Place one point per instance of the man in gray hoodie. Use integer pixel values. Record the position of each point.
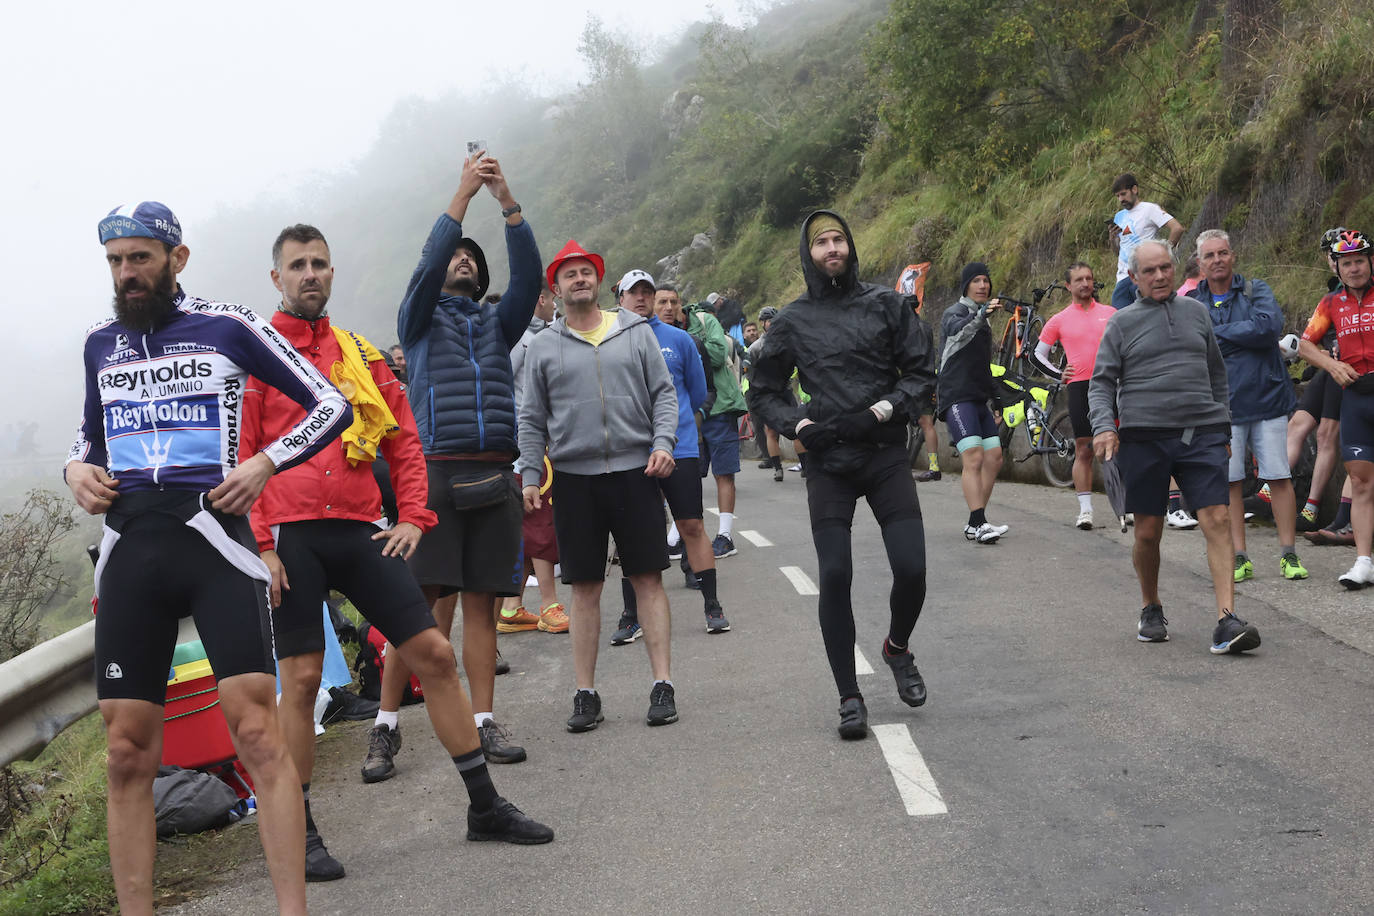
(598, 395)
(1160, 377)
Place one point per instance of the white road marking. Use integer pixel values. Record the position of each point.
(756, 539)
(861, 665)
(799, 580)
(914, 782)
(713, 510)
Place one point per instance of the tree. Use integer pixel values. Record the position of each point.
(29, 572)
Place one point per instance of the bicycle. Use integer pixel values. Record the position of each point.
(1022, 331)
(1048, 435)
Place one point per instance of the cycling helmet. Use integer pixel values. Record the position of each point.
(768, 313)
(1329, 238)
(1350, 241)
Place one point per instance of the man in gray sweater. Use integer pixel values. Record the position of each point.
(598, 395)
(1160, 377)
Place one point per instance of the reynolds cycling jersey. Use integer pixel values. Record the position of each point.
(164, 408)
(1353, 320)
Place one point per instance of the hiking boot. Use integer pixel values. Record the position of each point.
(1180, 519)
(502, 666)
(496, 744)
(383, 744)
(553, 619)
(1234, 635)
(515, 620)
(1245, 569)
(715, 618)
(778, 475)
(675, 551)
(853, 719)
(723, 547)
(628, 631)
(348, 706)
(662, 707)
(506, 823)
(1084, 522)
(1292, 567)
(911, 687)
(927, 476)
(586, 711)
(983, 534)
(319, 864)
(1359, 576)
(1153, 626)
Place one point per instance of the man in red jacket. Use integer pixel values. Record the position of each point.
(320, 526)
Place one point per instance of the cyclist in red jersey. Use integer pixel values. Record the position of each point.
(1350, 310)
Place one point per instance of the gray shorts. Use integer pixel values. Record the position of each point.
(478, 550)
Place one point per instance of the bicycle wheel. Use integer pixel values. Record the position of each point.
(1059, 459)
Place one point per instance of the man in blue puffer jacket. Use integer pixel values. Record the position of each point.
(462, 392)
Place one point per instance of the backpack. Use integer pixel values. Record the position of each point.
(369, 664)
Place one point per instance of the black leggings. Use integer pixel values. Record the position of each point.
(885, 481)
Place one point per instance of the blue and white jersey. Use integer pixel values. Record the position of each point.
(163, 409)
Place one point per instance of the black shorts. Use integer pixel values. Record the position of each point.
(158, 572)
(1078, 409)
(333, 553)
(1200, 467)
(477, 550)
(682, 489)
(1322, 397)
(589, 508)
(885, 481)
(1357, 426)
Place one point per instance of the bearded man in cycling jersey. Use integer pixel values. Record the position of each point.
(1350, 310)
(157, 454)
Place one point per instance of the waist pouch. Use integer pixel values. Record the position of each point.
(479, 489)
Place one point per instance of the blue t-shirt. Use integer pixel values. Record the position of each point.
(689, 381)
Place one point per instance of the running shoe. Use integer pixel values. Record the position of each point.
(691, 580)
(1292, 567)
(765, 464)
(1153, 627)
(723, 547)
(1245, 569)
(853, 719)
(926, 476)
(1084, 521)
(553, 618)
(675, 551)
(496, 743)
(586, 711)
(1360, 575)
(715, 618)
(983, 534)
(346, 705)
(319, 864)
(502, 666)
(662, 705)
(628, 631)
(1180, 519)
(383, 744)
(507, 823)
(1234, 635)
(911, 687)
(778, 475)
(516, 620)
(795, 468)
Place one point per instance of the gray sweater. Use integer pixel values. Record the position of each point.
(597, 409)
(1159, 367)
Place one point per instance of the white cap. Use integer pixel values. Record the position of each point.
(1288, 346)
(711, 299)
(628, 281)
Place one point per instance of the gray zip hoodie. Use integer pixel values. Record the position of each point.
(1159, 367)
(597, 409)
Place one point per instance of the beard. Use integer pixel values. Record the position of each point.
(463, 286)
(147, 313)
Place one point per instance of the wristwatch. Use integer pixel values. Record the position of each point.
(510, 211)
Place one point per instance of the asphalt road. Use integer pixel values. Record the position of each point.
(1074, 769)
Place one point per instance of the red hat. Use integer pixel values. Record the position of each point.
(572, 252)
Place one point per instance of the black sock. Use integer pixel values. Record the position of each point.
(776, 461)
(1175, 500)
(309, 821)
(628, 591)
(472, 766)
(890, 650)
(1342, 516)
(977, 518)
(707, 578)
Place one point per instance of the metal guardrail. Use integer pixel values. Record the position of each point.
(45, 690)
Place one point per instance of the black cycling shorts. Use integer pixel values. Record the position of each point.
(589, 508)
(478, 550)
(158, 572)
(884, 480)
(1078, 409)
(682, 489)
(334, 553)
(1322, 397)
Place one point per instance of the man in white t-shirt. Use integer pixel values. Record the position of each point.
(1137, 221)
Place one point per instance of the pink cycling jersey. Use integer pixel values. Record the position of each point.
(1080, 331)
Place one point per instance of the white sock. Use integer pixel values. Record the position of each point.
(1085, 502)
(481, 718)
(673, 536)
(660, 681)
(391, 720)
(727, 523)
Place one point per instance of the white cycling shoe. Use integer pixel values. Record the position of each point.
(984, 533)
(1085, 520)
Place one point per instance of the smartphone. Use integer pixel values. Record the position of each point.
(475, 147)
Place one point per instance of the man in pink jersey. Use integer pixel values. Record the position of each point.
(1079, 328)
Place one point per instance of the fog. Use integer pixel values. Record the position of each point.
(237, 117)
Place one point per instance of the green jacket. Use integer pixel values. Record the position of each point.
(729, 400)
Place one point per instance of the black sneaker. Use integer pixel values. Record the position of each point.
(765, 464)
(911, 687)
(502, 666)
(691, 580)
(853, 719)
(723, 547)
(662, 708)
(1234, 635)
(496, 744)
(1152, 626)
(675, 551)
(715, 619)
(506, 823)
(383, 744)
(628, 631)
(348, 706)
(586, 711)
(319, 864)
